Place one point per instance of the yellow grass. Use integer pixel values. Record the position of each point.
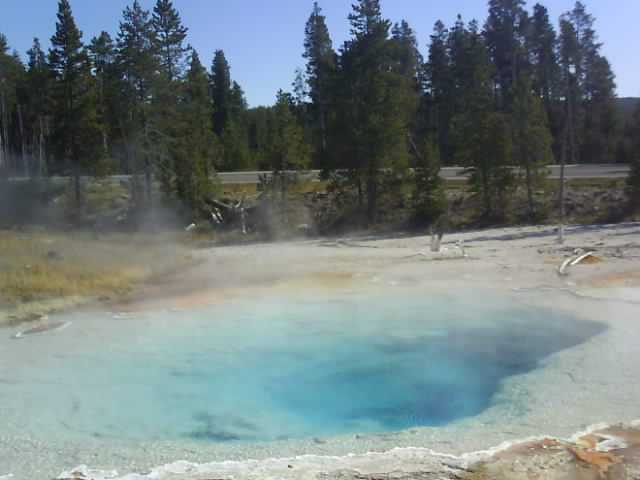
(46, 267)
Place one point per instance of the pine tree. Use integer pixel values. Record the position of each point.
(321, 65)
(238, 127)
(136, 51)
(169, 37)
(11, 71)
(568, 48)
(259, 136)
(408, 66)
(38, 105)
(376, 105)
(237, 104)
(366, 20)
(633, 181)
(429, 200)
(440, 90)
(545, 71)
(483, 140)
(522, 50)
(600, 127)
(78, 138)
(229, 110)
(194, 165)
(289, 148)
(404, 50)
(220, 91)
(467, 52)
(103, 55)
(300, 98)
(589, 83)
(4, 105)
(585, 38)
(504, 32)
(532, 140)
(138, 63)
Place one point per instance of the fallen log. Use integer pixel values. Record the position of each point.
(229, 213)
(578, 256)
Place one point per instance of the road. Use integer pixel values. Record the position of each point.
(450, 173)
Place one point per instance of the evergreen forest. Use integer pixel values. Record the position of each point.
(516, 89)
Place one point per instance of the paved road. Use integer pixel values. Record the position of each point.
(592, 171)
(572, 171)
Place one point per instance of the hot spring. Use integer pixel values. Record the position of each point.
(270, 371)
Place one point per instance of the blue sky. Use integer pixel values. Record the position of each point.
(262, 40)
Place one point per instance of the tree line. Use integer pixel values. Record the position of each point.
(514, 91)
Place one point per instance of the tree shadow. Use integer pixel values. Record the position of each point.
(552, 231)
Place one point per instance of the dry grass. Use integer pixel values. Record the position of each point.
(36, 268)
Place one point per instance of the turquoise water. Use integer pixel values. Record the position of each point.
(278, 369)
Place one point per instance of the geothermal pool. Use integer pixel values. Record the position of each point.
(270, 371)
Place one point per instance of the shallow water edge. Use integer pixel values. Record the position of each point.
(586, 384)
(595, 449)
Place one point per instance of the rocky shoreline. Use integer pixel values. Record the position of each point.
(599, 453)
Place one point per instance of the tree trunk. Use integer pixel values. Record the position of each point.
(23, 145)
(284, 190)
(568, 138)
(486, 194)
(4, 135)
(372, 201)
(42, 163)
(148, 179)
(323, 128)
(2, 156)
(76, 186)
(563, 158)
(361, 209)
(529, 183)
(561, 200)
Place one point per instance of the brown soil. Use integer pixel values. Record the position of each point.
(592, 457)
(629, 278)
